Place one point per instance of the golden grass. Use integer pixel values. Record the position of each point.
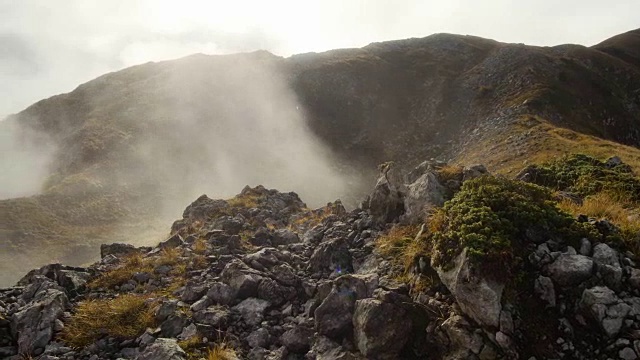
(622, 213)
(200, 246)
(540, 142)
(168, 256)
(400, 245)
(244, 201)
(222, 351)
(449, 172)
(311, 218)
(123, 317)
(132, 264)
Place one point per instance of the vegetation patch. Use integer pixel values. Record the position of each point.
(586, 175)
(492, 217)
(222, 351)
(123, 317)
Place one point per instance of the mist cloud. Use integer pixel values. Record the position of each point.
(24, 161)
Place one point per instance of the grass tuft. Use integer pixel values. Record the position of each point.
(123, 317)
(222, 351)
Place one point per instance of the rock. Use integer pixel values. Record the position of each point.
(252, 310)
(333, 317)
(33, 326)
(241, 279)
(608, 265)
(172, 242)
(258, 338)
(215, 316)
(285, 275)
(275, 293)
(193, 291)
(478, 296)
(284, 237)
(585, 247)
(370, 317)
(220, 293)
(543, 287)
(570, 270)
(331, 256)
(464, 341)
(163, 349)
(166, 309)
(117, 249)
(603, 306)
(634, 278)
(422, 195)
(385, 203)
(627, 354)
(298, 339)
(613, 162)
(172, 327)
(188, 332)
(473, 171)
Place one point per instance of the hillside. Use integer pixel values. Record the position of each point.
(132, 147)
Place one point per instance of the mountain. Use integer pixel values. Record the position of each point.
(130, 148)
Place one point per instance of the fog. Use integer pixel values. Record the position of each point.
(230, 122)
(24, 161)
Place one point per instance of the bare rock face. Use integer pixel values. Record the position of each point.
(603, 306)
(422, 195)
(33, 326)
(369, 317)
(568, 270)
(479, 297)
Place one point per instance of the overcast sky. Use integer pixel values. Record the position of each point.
(49, 47)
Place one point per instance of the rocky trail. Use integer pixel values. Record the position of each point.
(260, 276)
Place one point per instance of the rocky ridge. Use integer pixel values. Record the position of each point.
(273, 280)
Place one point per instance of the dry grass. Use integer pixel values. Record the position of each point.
(311, 218)
(533, 140)
(449, 172)
(222, 351)
(123, 317)
(168, 256)
(132, 264)
(247, 201)
(624, 214)
(400, 245)
(200, 246)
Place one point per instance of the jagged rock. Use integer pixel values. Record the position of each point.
(422, 195)
(193, 291)
(634, 278)
(464, 341)
(545, 290)
(33, 326)
(602, 305)
(331, 256)
(608, 265)
(285, 275)
(188, 332)
(284, 237)
(326, 349)
(38, 284)
(71, 279)
(478, 296)
(372, 315)
(298, 339)
(172, 242)
(172, 327)
(241, 279)
(117, 249)
(166, 309)
(215, 316)
(473, 171)
(569, 270)
(252, 310)
(163, 349)
(258, 338)
(275, 293)
(385, 202)
(333, 317)
(231, 225)
(220, 293)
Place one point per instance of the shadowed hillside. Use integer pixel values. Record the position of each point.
(131, 148)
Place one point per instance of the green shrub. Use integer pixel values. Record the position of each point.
(586, 175)
(495, 218)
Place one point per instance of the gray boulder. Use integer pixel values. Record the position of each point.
(163, 349)
(298, 339)
(242, 280)
(284, 237)
(220, 293)
(608, 265)
(385, 203)
(422, 195)
(543, 287)
(215, 316)
(117, 250)
(570, 270)
(252, 310)
(172, 242)
(602, 305)
(380, 329)
(478, 296)
(33, 326)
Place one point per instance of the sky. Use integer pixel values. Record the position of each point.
(48, 47)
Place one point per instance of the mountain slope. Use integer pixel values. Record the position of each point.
(136, 145)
